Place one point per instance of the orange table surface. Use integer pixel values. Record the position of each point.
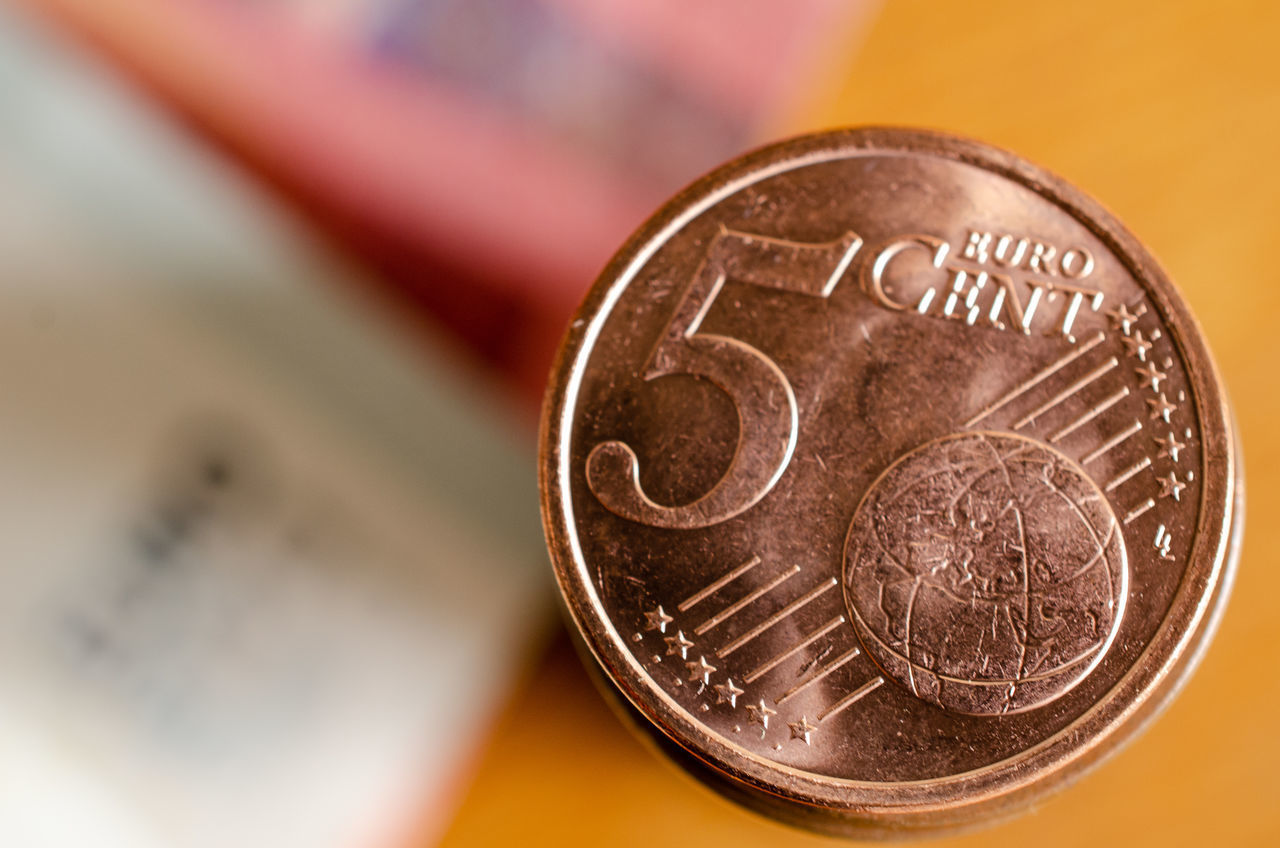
(1168, 113)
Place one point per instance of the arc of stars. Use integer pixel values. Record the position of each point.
(1160, 407)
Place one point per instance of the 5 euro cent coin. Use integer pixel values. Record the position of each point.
(889, 481)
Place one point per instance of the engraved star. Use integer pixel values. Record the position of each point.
(727, 692)
(802, 729)
(657, 620)
(1169, 447)
(760, 714)
(678, 644)
(1171, 486)
(1122, 319)
(700, 670)
(1137, 345)
(1161, 407)
(1151, 374)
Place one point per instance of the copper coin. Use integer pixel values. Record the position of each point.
(889, 481)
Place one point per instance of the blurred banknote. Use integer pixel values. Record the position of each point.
(484, 156)
(268, 563)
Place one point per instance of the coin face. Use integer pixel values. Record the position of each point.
(888, 480)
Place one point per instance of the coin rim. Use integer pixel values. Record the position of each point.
(1148, 684)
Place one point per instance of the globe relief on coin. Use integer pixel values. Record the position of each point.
(889, 481)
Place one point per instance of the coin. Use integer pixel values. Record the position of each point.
(889, 481)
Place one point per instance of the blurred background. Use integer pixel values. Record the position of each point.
(280, 284)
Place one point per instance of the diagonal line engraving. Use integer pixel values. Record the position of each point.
(775, 618)
(1136, 511)
(1038, 378)
(716, 585)
(1128, 472)
(1067, 392)
(819, 674)
(735, 608)
(1112, 442)
(1091, 414)
(851, 699)
(770, 665)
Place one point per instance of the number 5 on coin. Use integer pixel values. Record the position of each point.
(766, 405)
